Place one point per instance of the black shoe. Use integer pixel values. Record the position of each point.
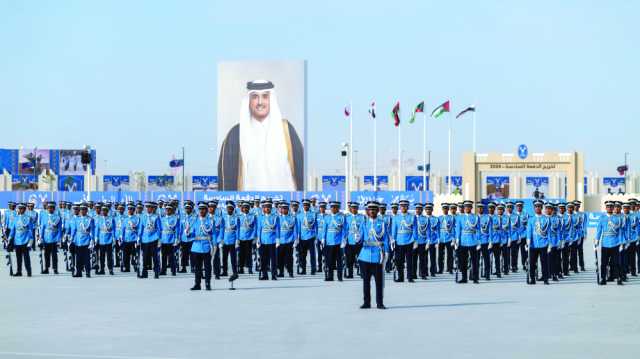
(77, 275)
(462, 281)
(339, 278)
(263, 278)
(183, 270)
(555, 278)
(28, 274)
(313, 273)
(156, 276)
(110, 271)
(440, 272)
(225, 274)
(533, 282)
(546, 282)
(217, 276)
(290, 275)
(233, 277)
(381, 306)
(634, 275)
(603, 282)
(88, 275)
(164, 272)
(475, 281)
(280, 275)
(207, 286)
(18, 274)
(55, 271)
(196, 287)
(273, 277)
(365, 306)
(46, 271)
(620, 282)
(450, 272)
(250, 271)
(411, 280)
(398, 280)
(240, 271)
(581, 269)
(499, 275)
(424, 277)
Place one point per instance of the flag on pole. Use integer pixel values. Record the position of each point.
(347, 111)
(176, 163)
(622, 169)
(419, 108)
(468, 109)
(438, 111)
(372, 110)
(395, 113)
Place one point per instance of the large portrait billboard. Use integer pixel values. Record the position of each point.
(261, 125)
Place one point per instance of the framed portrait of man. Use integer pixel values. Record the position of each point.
(261, 125)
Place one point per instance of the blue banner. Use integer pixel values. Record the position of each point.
(159, 183)
(613, 181)
(71, 183)
(383, 183)
(24, 182)
(456, 183)
(115, 183)
(333, 183)
(389, 197)
(414, 183)
(9, 161)
(204, 183)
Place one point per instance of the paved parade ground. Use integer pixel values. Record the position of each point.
(123, 317)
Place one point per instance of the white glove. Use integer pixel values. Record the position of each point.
(478, 246)
(159, 244)
(490, 245)
(30, 244)
(383, 259)
(596, 244)
(455, 245)
(295, 244)
(415, 245)
(254, 241)
(549, 248)
(39, 242)
(237, 243)
(343, 244)
(509, 243)
(92, 244)
(621, 247)
(322, 242)
(393, 244)
(176, 243)
(220, 245)
(561, 244)
(257, 244)
(277, 243)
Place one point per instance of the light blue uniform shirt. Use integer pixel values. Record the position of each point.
(467, 226)
(447, 228)
(538, 230)
(229, 229)
(150, 228)
(50, 227)
(307, 225)
(485, 227)
(375, 241)
(248, 226)
(402, 231)
(105, 230)
(83, 230)
(170, 228)
(421, 231)
(187, 222)
(355, 225)
(21, 229)
(608, 230)
(268, 228)
(555, 231)
(202, 233)
(336, 229)
(287, 229)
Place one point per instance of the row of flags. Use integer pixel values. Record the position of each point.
(395, 111)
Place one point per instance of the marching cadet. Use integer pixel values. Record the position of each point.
(522, 230)
(307, 233)
(447, 226)
(608, 239)
(130, 236)
(119, 218)
(467, 243)
(268, 228)
(201, 233)
(169, 239)
(421, 235)
(394, 212)
(355, 223)
(582, 223)
(104, 234)
(21, 238)
(625, 233)
(633, 237)
(433, 234)
(161, 209)
(382, 213)
(247, 236)
(294, 208)
(538, 242)
(51, 235)
(402, 233)
(187, 221)
(82, 233)
(150, 231)
(229, 237)
(499, 239)
(9, 215)
(567, 236)
(33, 216)
(216, 218)
(555, 230)
(335, 234)
(287, 234)
(139, 208)
(322, 227)
(375, 249)
(69, 225)
(484, 236)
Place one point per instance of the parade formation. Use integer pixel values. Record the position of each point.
(273, 238)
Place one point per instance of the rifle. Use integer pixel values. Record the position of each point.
(40, 245)
(6, 246)
(456, 262)
(529, 269)
(65, 250)
(298, 264)
(140, 260)
(595, 249)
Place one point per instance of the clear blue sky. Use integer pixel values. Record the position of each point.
(137, 79)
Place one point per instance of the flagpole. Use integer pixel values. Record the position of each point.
(424, 152)
(474, 131)
(375, 152)
(449, 170)
(399, 157)
(350, 148)
(183, 184)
